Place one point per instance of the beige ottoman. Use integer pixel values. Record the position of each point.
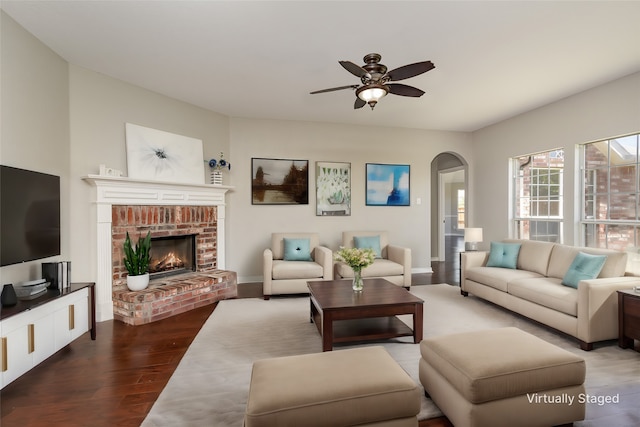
(362, 386)
(502, 377)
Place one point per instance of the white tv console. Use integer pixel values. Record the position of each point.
(33, 330)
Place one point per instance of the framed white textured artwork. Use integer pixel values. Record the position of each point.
(157, 155)
(333, 189)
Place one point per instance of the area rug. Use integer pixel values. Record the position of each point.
(211, 384)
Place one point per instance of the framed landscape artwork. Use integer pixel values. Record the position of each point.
(163, 156)
(387, 185)
(333, 189)
(279, 182)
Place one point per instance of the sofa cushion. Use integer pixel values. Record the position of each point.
(533, 255)
(297, 250)
(504, 255)
(380, 268)
(562, 256)
(583, 267)
(372, 242)
(496, 277)
(295, 270)
(547, 292)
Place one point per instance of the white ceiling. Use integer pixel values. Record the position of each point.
(260, 59)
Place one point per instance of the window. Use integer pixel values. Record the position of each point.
(537, 200)
(610, 193)
(461, 214)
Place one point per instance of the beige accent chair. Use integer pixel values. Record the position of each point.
(290, 277)
(395, 264)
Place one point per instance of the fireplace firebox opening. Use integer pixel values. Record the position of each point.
(172, 255)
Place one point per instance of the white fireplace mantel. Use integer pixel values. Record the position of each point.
(125, 191)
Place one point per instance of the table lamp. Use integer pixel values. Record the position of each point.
(472, 236)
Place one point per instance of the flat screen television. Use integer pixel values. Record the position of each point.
(29, 215)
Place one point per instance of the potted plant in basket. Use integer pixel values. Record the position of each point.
(357, 259)
(136, 261)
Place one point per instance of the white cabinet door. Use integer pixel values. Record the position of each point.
(16, 359)
(71, 318)
(80, 322)
(43, 344)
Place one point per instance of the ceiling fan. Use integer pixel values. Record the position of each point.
(375, 78)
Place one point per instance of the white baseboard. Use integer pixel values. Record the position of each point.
(249, 279)
(254, 279)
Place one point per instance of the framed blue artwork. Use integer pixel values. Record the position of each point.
(387, 185)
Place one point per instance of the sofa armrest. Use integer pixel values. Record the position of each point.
(598, 307)
(324, 256)
(401, 256)
(469, 260)
(267, 268)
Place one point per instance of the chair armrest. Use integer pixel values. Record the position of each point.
(267, 268)
(598, 307)
(324, 256)
(401, 256)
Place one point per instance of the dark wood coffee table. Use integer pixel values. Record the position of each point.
(342, 315)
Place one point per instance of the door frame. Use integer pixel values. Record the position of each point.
(442, 203)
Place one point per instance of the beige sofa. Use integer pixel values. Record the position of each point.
(535, 290)
(290, 277)
(394, 264)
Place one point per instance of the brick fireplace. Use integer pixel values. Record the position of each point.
(168, 296)
(165, 209)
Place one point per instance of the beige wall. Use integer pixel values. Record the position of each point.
(606, 111)
(251, 225)
(35, 123)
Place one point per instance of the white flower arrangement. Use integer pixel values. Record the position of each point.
(356, 258)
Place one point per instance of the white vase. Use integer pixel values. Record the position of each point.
(138, 283)
(216, 177)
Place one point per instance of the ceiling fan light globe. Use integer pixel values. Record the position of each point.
(371, 93)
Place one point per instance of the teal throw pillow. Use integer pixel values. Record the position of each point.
(584, 267)
(504, 255)
(373, 242)
(297, 250)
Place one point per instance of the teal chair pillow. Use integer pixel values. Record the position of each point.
(373, 242)
(584, 267)
(504, 255)
(297, 250)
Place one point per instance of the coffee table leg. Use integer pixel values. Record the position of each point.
(327, 332)
(417, 324)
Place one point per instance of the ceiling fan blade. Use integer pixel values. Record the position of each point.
(335, 88)
(404, 90)
(354, 69)
(410, 70)
(359, 103)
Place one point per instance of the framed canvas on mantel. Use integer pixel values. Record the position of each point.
(157, 155)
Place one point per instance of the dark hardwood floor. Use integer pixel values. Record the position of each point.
(114, 380)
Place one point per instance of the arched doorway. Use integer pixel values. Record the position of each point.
(449, 202)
